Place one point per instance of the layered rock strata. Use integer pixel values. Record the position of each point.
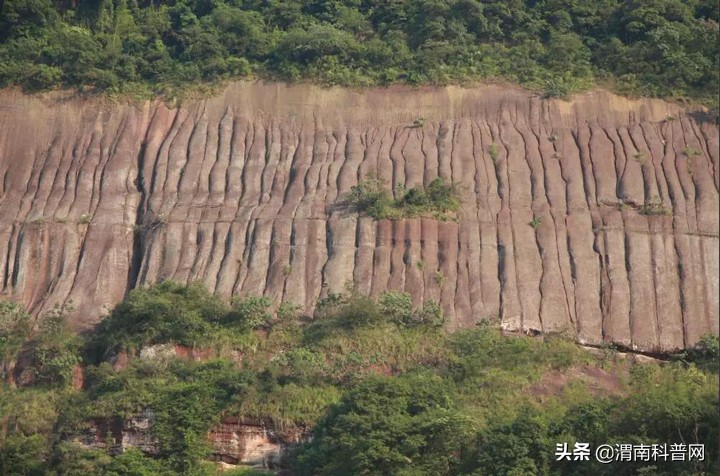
(236, 441)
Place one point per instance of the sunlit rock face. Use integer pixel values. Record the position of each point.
(254, 443)
(234, 441)
(597, 217)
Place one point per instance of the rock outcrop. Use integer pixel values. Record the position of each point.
(597, 216)
(254, 443)
(236, 441)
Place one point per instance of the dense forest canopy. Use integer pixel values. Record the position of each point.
(666, 48)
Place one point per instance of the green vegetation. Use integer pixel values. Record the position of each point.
(15, 329)
(494, 152)
(664, 405)
(691, 152)
(654, 209)
(640, 157)
(535, 222)
(57, 350)
(168, 312)
(439, 278)
(384, 388)
(653, 48)
(439, 200)
(705, 354)
(401, 425)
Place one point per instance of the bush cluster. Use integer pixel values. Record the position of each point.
(439, 200)
(353, 310)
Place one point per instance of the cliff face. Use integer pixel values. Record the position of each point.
(241, 192)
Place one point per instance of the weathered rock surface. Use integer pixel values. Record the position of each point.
(119, 435)
(253, 443)
(234, 440)
(165, 352)
(240, 191)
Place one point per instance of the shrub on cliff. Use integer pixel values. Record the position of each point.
(166, 312)
(250, 312)
(439, 200)
(24, 455)
(353, 310)
(369, 196)
(705, 353)
(397, 307)
(360, 311)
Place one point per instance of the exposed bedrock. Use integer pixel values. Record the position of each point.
(241, 192)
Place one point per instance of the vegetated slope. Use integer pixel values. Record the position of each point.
(361, 388)
(598, 217)
(659, 47)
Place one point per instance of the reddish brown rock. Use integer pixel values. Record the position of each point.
(242, 191)
(118, 435)
(253, 443)
(248, 442)
(78, 377)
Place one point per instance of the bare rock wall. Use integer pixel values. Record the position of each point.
(241, 191)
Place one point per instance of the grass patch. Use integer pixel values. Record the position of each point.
(640, 157)
(494, 152)
(691, 152)
(654, 209)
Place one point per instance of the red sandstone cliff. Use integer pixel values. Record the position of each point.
(239, 192)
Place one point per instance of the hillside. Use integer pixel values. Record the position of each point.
(175, 381)
(359, 237)
(665, 48)
(596, 217)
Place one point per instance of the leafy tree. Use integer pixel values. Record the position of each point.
(165, 312)
(23, 455)
(659, 47)
(387, 426)
(518, 448)
(288, 311)
(133, 462)
(15, 329)
(250, 312)
(57, 348)
(396, 306)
